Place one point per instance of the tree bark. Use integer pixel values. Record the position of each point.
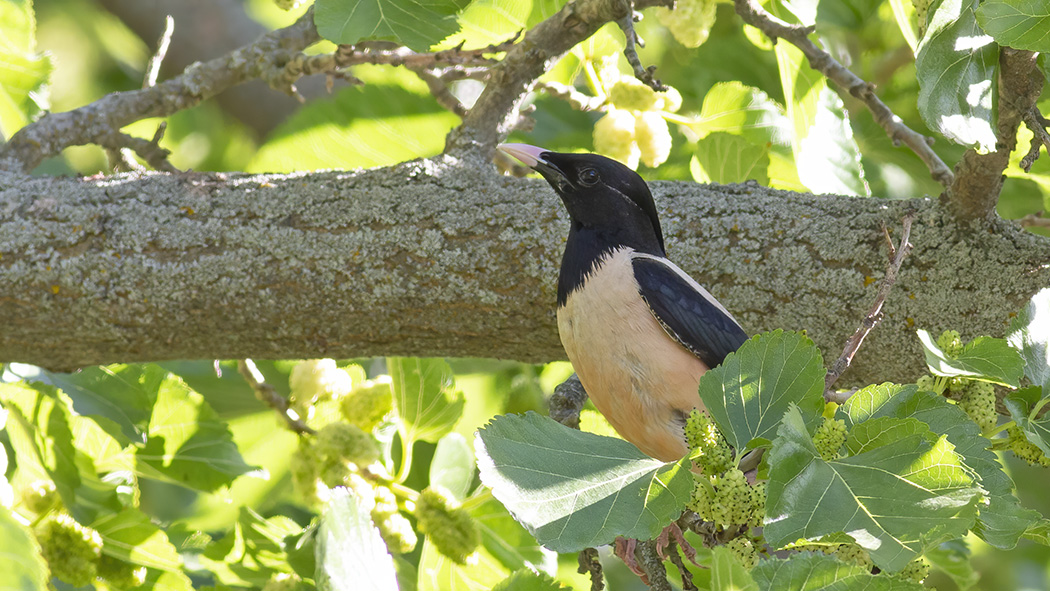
(445, 258)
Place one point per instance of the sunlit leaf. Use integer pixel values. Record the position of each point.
(894, 501)
(574, 490)
(417, 24)
(351, 556)
(526, 580)
(425, 396)
(505, 539)
(956, 65)
(810, 571)
(733, 107)
(452, 467)
(23, 72)
(727, 572)
(725, 158)
(1020, 24)
(132, 537)
(24, 569)
(122, 393)
(1030, 334)
(984, 358)
(748, 393)
(488, 22)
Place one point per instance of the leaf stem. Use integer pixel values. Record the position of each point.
(1000, 429)
(406, 458)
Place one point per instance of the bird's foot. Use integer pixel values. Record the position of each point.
(624, 548)
(673, 532)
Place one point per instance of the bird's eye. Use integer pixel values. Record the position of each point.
(588, 177)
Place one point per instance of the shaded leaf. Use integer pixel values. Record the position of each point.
(1021, 404)
(1030, 334)
(1020, 24)
(984, 358)
(526, 580)
(122, 393)
(810, 571)
(505, 539)
(953, 559)
(574, 490)
(426, 398)
(417, 24)
(956, 65)
(894, 501)
(351, 555)
(724, 158)
(748, 393)
(187, 442)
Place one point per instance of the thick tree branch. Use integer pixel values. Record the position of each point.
(443, 258)
(821, 61)
(979, 177)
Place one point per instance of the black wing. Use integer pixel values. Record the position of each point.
(690, 316)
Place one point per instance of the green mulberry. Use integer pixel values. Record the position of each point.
(1025, 449)
(691, 20)
(448, 526)
(829, 438)
(727, 499)
(744, 551)
(978, 401)
(950, 342)
(368, 404)
(72, 550)
(713, 453)
(614, 137)
(318, 379)
(119, 574)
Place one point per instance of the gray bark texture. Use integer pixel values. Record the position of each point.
(445, 258)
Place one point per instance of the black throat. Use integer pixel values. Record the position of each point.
(586, 246)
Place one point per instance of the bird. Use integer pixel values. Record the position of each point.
(638, 330)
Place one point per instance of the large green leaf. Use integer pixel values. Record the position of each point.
(725, 158)
(360, 127)
(417, 24)
(894, 501)
(956, 65)
(452, 467)
(1020, 24)
(132, 537)
(984, 358)
(810, 571)
(351, 556)
(1030, 334)
(426, 398)
(574, 490)
(953, 559)
(24, 569)
(728, 573)
(1002, 521)
(748, 393)
(732, 107)
(23, 72)
(1021, 404)
(122, 393)
(487, 22)
(826, 155)
(187, 442)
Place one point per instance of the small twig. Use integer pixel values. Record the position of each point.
(589, 563)
(576, 99)
(640, 72)
(567, 401)
(148, 150)
(820, 60)
(1036, 123)
(1035, 220)
(153, 67)
(853, 344)
(650, 562)
(439, 89)
(269, 396)
(676, 559)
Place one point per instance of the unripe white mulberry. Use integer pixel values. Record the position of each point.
(653, 138)
(691, 20)
(829, 438)
(669, 100)
(318, 379)
(119, 574)
(632, 94)
(368, 404)
(614, 137)
(950, 342)
(448, 526)
(71, 550)
(714, 455)
(40, 496)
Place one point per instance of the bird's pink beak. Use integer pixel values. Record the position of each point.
(528, 155)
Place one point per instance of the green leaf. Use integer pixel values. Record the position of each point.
(526, 580)
(732, 107)
(1020, 24)
(1020, 404)
(826, 155)
(1002, 521)
(187, 442)
(574, 490)
(132, 537)
(984, 358)
(488, 22)
(953, 559)
(811, 571)
(880, 431)
(748, 393)
(351, 556)
(24, 568)
(417, 24)
(505, 540)
(23, 72)
(894, 501)
(452, 467)
(426, 398)
(1030, 334)
(122, 393)
(956, 65)
(725, 158)
(727, 572)
(440, 573)
(359, 127)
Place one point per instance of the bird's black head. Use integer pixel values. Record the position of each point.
(601, 195)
